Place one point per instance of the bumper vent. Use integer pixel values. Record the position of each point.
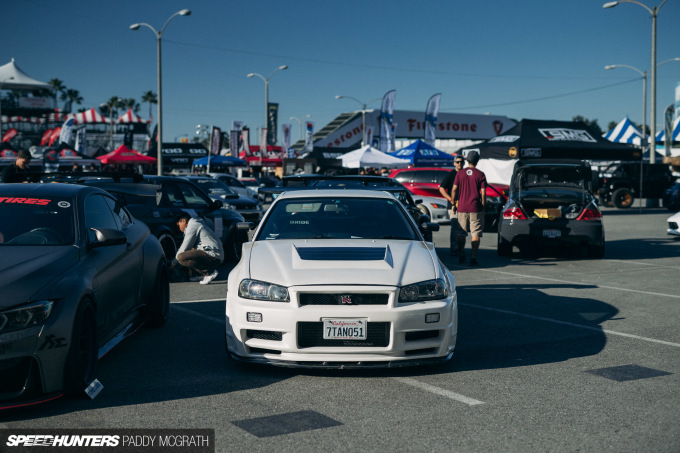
(264, 335)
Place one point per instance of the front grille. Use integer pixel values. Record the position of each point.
(264, 335)
(310, 335)
(342, 299)
(251, 216)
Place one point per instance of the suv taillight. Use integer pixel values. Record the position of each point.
(514, 213)
(590, 214)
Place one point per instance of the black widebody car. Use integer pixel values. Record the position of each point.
(78, 274)
(551, 202)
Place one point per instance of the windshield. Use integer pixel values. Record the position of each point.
(36, 221)
(337, 218)
(214, 187)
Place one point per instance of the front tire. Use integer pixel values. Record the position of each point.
(159, 303)
(81, 362)
(623, 198)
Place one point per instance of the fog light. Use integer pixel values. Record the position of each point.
(432, 317)
(254, 317)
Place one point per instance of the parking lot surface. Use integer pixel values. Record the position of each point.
(556, 352)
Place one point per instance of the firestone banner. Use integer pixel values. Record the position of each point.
(386, 112)
(431, 118)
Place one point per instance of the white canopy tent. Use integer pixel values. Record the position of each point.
(371, 157)
(13, 78)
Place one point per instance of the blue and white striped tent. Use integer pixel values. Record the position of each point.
(675, 135)
(625, 132)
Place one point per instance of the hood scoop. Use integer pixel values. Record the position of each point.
(361, 257)
(343, 253)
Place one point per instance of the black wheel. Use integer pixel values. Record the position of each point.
(169, 246)
(159, 303)
(504, 247)
(81, 361)
(623, 198)
(233, 246)
(424, 210)
(596, 251)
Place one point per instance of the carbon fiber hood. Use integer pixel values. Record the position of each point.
(26, 270)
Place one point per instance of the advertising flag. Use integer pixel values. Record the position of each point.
(245, 141)
(215, 141)
(45, 137)
(9, 135)
(668, 129)
(386, 112)
(285, 140)
(431, 118)
(309, 136)
(81, 141)
(272, 123)
(263, 143)
(67, 131)
(54, 136)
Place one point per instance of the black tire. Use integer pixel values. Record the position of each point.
(596, 251)
(233, 246)
(504, 247)
(169, 246)
(424, 210)
(81, 362)
(623, 198)
(159, 303)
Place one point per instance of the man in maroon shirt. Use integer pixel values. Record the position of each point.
(470, 188)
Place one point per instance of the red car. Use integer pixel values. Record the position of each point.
(424, 181)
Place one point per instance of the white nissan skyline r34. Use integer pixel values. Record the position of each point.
(340, 279)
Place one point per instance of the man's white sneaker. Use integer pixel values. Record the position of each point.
(208, 278)
(197, 278)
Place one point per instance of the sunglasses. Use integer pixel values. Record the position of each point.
(457, 161)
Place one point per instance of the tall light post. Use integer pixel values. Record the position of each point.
(2, 82)
(363, 114)
(300, 123)
(110, 107)
(653, 11)
(159, 34)
(266, 95)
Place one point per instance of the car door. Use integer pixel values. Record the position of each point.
(117, 267)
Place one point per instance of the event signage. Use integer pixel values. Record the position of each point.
(571, 135)
(9, 135)
(456, 126)
(35, 103)
(386, 121)
(431, 118)
(272, 123)
(215, 140)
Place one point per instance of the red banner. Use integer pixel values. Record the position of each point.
(46, 137)
(55, 135)
(9, 135)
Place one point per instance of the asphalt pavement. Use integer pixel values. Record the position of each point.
(556, 352)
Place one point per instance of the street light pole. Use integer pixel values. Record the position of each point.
(363, 114)
(2, 82)
(110, 107)
(266, 97)
(159, 34)
(299, 123)
(653, 11)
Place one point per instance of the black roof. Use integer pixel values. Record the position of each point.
(44, 190)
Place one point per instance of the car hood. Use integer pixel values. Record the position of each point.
(342, 262)
(26, 270)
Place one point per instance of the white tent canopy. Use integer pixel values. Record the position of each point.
(371, 157)
(13, 78)
(625, 132)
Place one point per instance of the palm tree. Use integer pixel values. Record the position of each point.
(71, 96)
(57, 87)
(151, 98)
(110, 107)
(131, 103)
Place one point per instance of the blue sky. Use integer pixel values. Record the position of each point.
(538, 59)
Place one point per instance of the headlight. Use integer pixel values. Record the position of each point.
(28, 316)
(255, 289)
(227, 206)
(429, 290)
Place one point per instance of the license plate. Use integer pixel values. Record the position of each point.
(552, 233)
(344, 329)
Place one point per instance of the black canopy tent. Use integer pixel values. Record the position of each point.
(554, 140)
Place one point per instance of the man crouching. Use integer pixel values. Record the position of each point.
(201, 249)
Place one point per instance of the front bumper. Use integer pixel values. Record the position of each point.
(290, 334)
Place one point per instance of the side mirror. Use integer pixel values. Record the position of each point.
(430, 226)
(107, 237)
(245, 226)
(216, 204)
(418, 201)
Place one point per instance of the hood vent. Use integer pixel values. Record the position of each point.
(342, 253)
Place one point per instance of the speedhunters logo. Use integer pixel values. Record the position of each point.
(567, 135)
(114, 440)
